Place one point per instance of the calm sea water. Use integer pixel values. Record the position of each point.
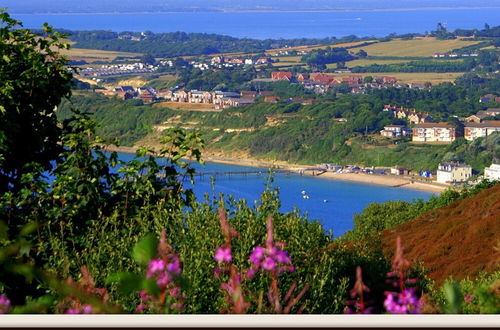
(332, 202)
(264, 25)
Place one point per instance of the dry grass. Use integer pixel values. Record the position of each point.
(187, 106)
(411, 77)
(458, 240)
(309, 48)
(93, 55)
(367, 62)
(418, 47)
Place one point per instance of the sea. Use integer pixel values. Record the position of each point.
(332, 202)
(286, 25)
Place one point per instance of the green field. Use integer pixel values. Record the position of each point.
(418, 47)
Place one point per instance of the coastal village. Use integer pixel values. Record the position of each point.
(420, 127)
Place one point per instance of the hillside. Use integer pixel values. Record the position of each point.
(459, 240)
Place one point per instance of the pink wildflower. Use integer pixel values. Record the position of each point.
(223, 255)
(4, 304)
(155, 265)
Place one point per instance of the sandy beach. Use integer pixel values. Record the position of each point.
(384, 180)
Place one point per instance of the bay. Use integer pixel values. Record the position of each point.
(262, 25)
(332, 202)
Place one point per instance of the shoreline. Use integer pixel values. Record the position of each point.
(225, 11)
(376, 179)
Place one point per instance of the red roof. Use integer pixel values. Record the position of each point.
(281, 75)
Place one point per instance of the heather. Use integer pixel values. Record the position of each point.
(83, 232)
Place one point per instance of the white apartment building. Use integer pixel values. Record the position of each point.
(492, 172)
(453, 172)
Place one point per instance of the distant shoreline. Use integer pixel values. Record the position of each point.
(382, 180)
(206, 10)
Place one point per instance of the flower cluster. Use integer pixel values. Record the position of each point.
(223, 255)
(164, 270)
(405, 302)
(4, 304)
(85, 309)
(272, 259)
(358, 304)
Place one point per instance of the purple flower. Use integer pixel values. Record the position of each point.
(223, 255)
(469, 297)
(175, 266)
(269, 264)
(73, 311)
(4, 304)
(155, 265)
(87, 309)
(282, 257)
(405, 302)
(257, 256)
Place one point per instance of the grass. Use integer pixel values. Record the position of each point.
(458, 240)
(93, 55)
(411, 77)
(187, 106)
(367, 62)
(423, 46)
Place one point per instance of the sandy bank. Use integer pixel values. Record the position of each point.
(383, 180)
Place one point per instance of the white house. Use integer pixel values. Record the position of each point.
(453, 172)
(395, 130)
(492, 172)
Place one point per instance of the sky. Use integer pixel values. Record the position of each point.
(45, 6)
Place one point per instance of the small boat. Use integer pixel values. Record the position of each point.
(325, 200)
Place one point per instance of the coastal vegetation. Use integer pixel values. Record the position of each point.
(83, 232)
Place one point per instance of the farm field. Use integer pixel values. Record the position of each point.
(94, 55)
(411, 77)
(186, 106)
(367, 62)
(423, 46)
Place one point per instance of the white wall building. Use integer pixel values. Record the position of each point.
(492, 172)
(453, 172)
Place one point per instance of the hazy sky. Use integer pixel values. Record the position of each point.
(30, 6)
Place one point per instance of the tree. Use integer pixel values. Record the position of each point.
(368, 79)
(362, 53)
(33, 80)
(148, 59)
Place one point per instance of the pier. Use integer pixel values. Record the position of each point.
(236, 174)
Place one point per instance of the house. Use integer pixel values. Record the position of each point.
(435, 132)
(281, 75)
(263, 60)
(218, 60)
(147, 94)
(179, 96)
(303, 77)
(481, 114)
(473, 131)
(352, 80)
(399, 170)
(271, 99)
(248, 61)
(196, 96)
(489, 98)
(248, 94)
(492, 172)
(389, 80)
(411, 115)
(395, 131)
(321, 78)
(453, 172)
(266, 93)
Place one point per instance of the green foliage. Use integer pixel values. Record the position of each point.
(419, 66)
(470, 296)
(33, 80)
